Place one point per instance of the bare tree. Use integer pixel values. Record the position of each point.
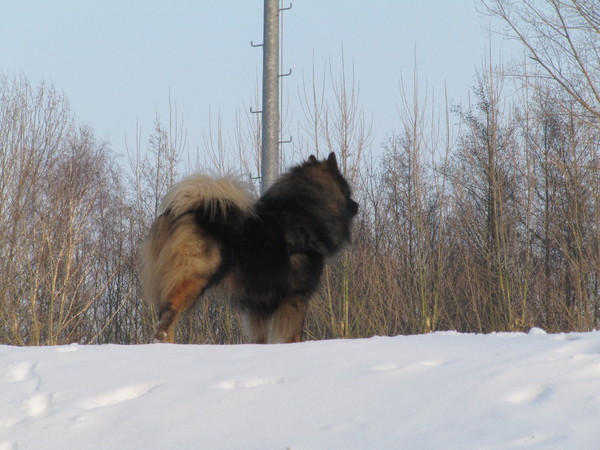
(334, 121)
(413, 178)
(487, 204)
(58, 189)
(562, 38)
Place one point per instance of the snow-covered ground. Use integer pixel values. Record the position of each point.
(442, 390)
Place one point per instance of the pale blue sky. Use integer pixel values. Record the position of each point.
(117, 60)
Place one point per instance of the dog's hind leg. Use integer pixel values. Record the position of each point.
(164, 328)
(286, 323)
(184, 263)
(180, 299)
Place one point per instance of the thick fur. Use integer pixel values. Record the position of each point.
(268, 254)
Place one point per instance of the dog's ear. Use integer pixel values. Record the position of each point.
(312, 159)
(332, 163)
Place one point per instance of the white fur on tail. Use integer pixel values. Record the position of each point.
(203, 190)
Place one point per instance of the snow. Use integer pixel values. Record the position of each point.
(441, 390)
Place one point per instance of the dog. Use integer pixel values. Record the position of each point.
(267, 255)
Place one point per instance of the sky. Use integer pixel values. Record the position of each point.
(122, 63)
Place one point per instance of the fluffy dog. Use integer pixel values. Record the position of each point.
(268, 254)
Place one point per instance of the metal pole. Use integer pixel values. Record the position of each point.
(270, 96)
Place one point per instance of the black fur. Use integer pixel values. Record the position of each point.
(273, 254)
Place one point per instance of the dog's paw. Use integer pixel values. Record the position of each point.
(160, 337)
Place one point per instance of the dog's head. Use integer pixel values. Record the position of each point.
(329, 200)
(314, 205)
(327, 173)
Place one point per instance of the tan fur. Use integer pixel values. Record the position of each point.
(255, 328)
(179, 262)
(288, 320)
(284, 326)
(200, 189)
(181, 298)
(175, 251)
(178, 259)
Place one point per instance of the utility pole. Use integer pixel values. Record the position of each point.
(270, 96)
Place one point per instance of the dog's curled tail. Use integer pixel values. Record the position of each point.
(214, 195)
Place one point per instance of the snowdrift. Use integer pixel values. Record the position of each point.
(442, 390)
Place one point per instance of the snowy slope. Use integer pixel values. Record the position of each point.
(442, 390)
